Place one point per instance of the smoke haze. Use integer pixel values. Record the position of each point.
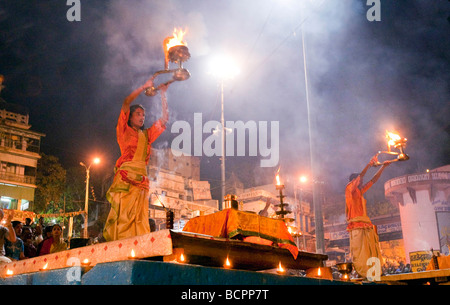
(363, 77)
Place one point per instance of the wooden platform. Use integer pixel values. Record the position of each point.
(439, 277)
(211, 251)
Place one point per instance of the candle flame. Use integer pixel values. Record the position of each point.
(45, 266)
(227, 263)
(280, 268)
(176, 39)
(319, 272)
(9, 272)
(86, 261)
(182, 259)
(132, 254)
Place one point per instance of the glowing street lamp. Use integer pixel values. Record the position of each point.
(223, 68)
(86, 199)
(300, 224)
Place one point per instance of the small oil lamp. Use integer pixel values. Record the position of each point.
(44, 268)
(132, 254)
(86, 262)
(175, 51)
(227, 264)
(345, 269)
(280, 269)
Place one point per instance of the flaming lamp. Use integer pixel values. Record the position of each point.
(282, 212)
(175, 51)
(345, 269)
(399, 143)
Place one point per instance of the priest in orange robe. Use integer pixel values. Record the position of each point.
(364, 242)
(129, 192)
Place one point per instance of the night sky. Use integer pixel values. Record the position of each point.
(364, 77)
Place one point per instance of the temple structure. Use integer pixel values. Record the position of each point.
(423, 200)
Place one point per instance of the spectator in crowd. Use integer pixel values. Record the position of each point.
(30, 249)
(6, 233)
(37, 238)
(55, 243)
(14, 250)
(47, 233)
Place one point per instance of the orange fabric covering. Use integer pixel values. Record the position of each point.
(127, 138)
(231, 223)
(443, 262)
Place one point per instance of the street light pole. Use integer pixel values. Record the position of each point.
(86, 204)
(223, 68)
(222, 166)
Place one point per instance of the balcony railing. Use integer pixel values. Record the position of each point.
(17, 178)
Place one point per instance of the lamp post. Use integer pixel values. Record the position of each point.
(86, 199)
(300, 224)
(223, 68)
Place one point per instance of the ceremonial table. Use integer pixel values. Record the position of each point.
(247, 226)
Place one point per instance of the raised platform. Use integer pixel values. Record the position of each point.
(156, 261)
(141, 272)
(432, 277)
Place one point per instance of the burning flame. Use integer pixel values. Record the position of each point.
(176, 39)
(227, 263)
(9, 272)
(280, 268)
(278, 179)
(182, 259)
(132, 254)
(86, 262)
(45, 266)
(392, 138)
(319, 272)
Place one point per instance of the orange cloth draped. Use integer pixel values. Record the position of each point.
(231, 223)
(129, 191)
(443, 262)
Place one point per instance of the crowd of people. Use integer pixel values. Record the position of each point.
(23, 240)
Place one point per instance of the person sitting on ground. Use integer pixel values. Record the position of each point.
(14, 250)
(55, 243)
(6, 233)
(30, 249)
